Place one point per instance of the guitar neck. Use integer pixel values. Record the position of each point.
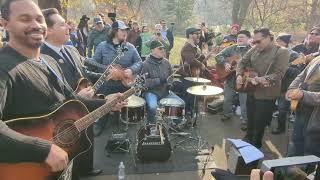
(104, 77)
(89, 119)
(95, 64)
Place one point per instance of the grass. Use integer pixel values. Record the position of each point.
(175, 53)
(175, 56)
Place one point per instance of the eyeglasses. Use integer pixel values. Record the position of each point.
(314, 34)
(198, 34)
(160, 48)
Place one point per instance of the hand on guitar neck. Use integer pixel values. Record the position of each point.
(119, 105)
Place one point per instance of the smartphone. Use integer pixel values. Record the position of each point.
(112, 15)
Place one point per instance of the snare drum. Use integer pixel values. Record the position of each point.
(134, 111)
(174, 108)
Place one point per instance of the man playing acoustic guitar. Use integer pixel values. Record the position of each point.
(30, 85)
(305, 89)
(227, 61)
(269, 62)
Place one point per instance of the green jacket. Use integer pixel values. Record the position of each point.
(145, 50)
(229, 52)
(95, 37)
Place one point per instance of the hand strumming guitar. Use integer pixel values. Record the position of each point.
(128, 73)
(294, 94)
(57, 159)
(87, 92)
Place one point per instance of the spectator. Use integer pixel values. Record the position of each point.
(97, 35)
(232, 37)
(134, 34)
(142, 47)
(76, 38)
(167, 33)
(84, 30)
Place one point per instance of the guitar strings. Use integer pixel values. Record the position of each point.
(70, 129)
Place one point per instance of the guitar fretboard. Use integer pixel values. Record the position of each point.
(90, 118)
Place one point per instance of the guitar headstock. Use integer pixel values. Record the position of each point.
(139, 83)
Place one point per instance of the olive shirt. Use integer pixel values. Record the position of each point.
(260, 61)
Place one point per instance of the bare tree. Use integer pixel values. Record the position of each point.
(266, 12)
(239, 11)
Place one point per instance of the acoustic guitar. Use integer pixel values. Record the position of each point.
(196, 71)
(220, 68)
(64, 127)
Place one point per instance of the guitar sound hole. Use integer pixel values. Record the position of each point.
(66, 134)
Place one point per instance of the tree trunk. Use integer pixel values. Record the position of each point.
(313, 18)
(239, 11)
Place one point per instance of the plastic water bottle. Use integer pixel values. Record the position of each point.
(121, 173)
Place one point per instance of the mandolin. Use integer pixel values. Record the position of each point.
(66, 127)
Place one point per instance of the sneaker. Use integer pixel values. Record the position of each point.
(225, 118)
(238, 111)
(243, 126)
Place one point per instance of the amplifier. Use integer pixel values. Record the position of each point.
(118, 143)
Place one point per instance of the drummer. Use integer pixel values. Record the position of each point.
(157, 70)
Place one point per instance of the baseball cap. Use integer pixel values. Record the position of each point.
(97, 20)
(155, 44)
(119, 25)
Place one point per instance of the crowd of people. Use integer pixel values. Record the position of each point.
(44, 56)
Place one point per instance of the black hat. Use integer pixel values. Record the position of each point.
(245, 32)
(119, 25)
(85, 17)
(191, 30)
(285, 38)
(155, 44)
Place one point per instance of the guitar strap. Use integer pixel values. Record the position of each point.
(274, 60)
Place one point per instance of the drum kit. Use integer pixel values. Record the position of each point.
(170, 120)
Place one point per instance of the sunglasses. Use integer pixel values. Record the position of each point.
(315, 34)
(257, 41)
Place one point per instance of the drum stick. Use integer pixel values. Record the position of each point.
(174, 72)
(161, 135)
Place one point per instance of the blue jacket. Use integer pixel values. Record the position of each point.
(105, 53)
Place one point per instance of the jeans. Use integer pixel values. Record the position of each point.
(152, 104)
(284, 108)
(188, 98)
(229, 94)
(298, 140)
(259, 114)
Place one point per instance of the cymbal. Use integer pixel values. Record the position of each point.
(135, 101)
(204, 90)
(198, 80)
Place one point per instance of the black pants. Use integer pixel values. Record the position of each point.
(259, 114)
